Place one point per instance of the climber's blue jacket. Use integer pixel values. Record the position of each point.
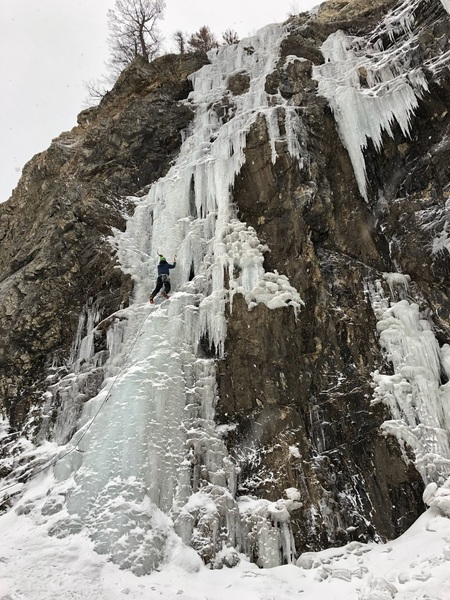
(164, 266)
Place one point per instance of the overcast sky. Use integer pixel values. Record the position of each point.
(50, 48)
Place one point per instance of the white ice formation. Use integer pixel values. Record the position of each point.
(370, 88)
(418, 392)
(150, 474)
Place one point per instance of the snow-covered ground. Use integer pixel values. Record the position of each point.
(416, 566)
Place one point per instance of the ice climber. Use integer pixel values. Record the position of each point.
(163, 280)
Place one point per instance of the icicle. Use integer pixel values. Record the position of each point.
(369, 88)
(398, 284)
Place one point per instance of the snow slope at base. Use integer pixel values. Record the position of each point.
(35, 566)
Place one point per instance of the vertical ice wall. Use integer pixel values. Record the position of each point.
(150, 468)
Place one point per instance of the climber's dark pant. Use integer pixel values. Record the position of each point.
(160, 283)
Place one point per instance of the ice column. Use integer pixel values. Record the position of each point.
(417, 399)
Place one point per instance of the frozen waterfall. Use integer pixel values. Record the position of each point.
(150, 472)
(144, 471)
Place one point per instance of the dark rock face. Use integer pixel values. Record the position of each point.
(301, 390)
(54, 257)
(306, 384)
(238, 83)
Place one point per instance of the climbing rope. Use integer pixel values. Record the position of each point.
(75, 447)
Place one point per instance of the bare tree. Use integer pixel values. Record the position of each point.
(230, 37)
(203, 40)
(180, 41)
(133, 31)
(293, 9)
(96, 89)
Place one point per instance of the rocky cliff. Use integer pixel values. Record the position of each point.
(54, 257)
(300, 397)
